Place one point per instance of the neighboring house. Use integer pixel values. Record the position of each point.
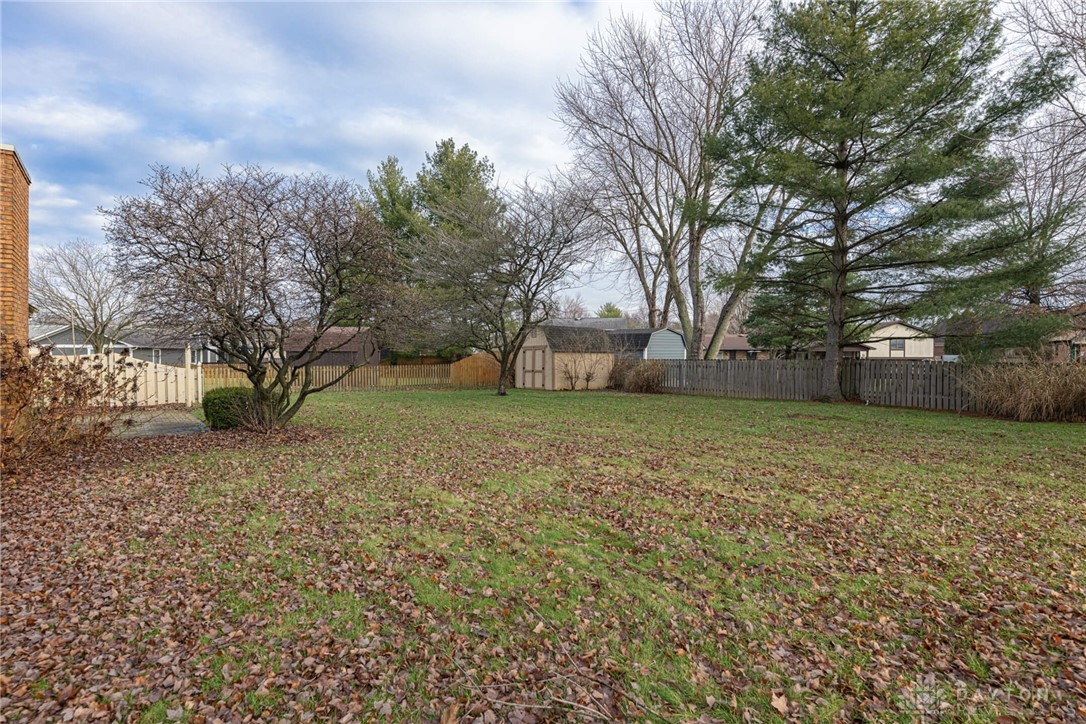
(1071, 345)
(341, 347)
(144, 346)
(162, 350)
(737, 346)
(66, 339)
(648, 343)
(897, 340)
(1067, 346)
(849, 351)
(563, 358)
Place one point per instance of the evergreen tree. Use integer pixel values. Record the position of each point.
(392, 199)
(876, 120)
(451, 174)
(609, 310)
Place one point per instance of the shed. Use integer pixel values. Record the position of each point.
(648, 343)
(564, 358)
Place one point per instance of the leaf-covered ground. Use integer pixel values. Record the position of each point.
(451, 555)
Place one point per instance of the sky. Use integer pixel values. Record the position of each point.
(95, 93)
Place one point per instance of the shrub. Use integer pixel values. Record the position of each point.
(616, 378)
(227, 407)
(646, 377)
(52, 405)
(1031, 391)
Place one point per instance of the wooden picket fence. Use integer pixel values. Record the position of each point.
(475, 371)
(895, 383)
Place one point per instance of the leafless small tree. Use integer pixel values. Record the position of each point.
(502, 261)
(77, 282)
(251, 259)
(571, 307)
(587, 355)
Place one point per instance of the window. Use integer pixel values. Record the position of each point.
(897, 345)
(156, 356)
(752, 354)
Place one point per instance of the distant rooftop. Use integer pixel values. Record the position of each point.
(593, 322)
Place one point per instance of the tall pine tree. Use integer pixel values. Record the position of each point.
(876, 118)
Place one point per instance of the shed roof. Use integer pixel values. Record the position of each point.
(630, 340)
(576, 339)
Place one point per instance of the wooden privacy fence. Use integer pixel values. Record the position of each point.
(469, 372)
(923, 384)
(155, 384)
(926, 384)
(754, 379)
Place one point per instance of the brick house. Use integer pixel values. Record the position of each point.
(14, 245)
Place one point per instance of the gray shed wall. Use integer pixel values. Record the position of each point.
(665, 344)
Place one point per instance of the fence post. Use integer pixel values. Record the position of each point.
(188, 375)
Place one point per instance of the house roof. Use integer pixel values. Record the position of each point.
(41, 331)
(336, 339)
(736, 343)
(884, 325)
(576, 339)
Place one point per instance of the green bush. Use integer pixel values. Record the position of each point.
(646, 377)
(227, 407)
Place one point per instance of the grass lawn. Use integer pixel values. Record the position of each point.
(556, 555)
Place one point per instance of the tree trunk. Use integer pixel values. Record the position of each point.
(835, 326)
(831, 365)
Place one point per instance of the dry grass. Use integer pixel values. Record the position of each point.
(1031, 392)
(646, 377)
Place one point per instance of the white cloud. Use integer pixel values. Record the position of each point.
(66, 119)
(96, 92)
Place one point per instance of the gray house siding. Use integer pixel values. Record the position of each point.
(62, 338)
(173, 356)
(665, 344)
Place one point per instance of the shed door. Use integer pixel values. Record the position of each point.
(533, 368)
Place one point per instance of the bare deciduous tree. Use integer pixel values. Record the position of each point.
(77, 282)
(1060, 26)
(638, 118)
(571, 307)
(1048, 194)
(251, 259)
(500, 263)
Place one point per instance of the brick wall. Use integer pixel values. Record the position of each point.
(14, 245)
